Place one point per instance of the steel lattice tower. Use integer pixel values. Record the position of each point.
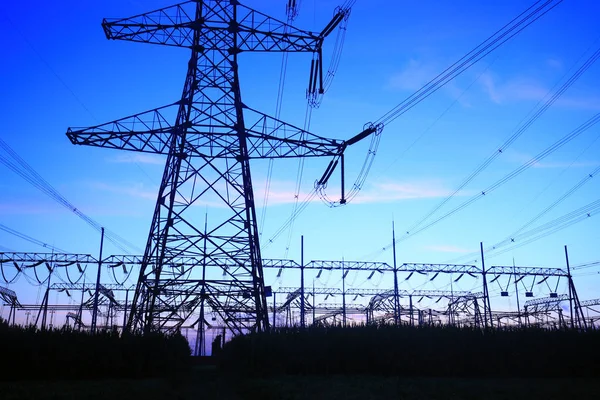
(208, 148)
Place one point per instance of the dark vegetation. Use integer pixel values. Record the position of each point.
(416, 352)
(326, 363)
(210, 384)
(30, 353)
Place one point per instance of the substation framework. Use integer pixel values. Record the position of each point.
(206, 271)
(304, 305)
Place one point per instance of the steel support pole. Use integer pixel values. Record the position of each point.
(96, 294)
(517, 294)
(411, 309)
(571, 311)
(46, 300)
(343, 295)
(302, 305)
(486, 294)
(80, 311)
(396, 300)
(314, 303)
(274, 310)
(125, 310)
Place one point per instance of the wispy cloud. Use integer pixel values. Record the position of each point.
(416, 74)
(413, 76)
(280, 192)
(521, 158)
(447, 248)
(385, 192)
(137, 190)
(528, 89)
(554, 63)
(140, 158)
(566, 164)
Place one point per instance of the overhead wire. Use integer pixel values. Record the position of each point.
(314, 101)
(30, 239)
(549, 150)
(501, 36)
(550, 227)
(515, 26)
(508, 239)
(19, 166)
(118, 241)
(535, 114)
(292, 9)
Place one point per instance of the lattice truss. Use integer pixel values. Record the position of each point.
(208, 137)
(65, 274)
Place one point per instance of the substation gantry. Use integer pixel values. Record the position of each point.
(384, 305)
(209, 136)
(551, 308)
(381, 306)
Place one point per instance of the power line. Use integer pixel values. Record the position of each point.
(19, 166)
(533, 161)
(510, 238)
(29, 239)
(501, 36)
(536, 113)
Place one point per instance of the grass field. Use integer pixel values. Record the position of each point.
(207, 383)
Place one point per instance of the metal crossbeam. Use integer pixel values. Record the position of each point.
(349, 265)
(35, 259)
(526, 271)
(9, 297)
(590, 303)
(546, 300)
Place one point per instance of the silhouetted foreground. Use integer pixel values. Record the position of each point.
(416, 351)
(66, 354)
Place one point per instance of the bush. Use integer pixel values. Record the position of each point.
(30, 353)
(416, 351)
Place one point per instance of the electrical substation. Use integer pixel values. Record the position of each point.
(203, 274)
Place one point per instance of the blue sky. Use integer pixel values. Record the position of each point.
(59, 70)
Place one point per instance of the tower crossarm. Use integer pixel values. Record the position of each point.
(546, 300)
(439, 268)
(349, 265)
(35, 259)
(259, 32)
(147, 132)
(9, 296)
(150, 132)
(526, 271)
(590, 303)
(170, 26)
(176, 25)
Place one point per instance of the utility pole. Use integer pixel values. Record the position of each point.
(486, 294)
(517, 292)
(314, 304)
(571, 311)
(574, 299)
(80, 311)
(411, 309)
(274, 311)
(396, 299)
(125, 311)
(96, 294)
(46, 298)
(343, 294)
(302, 305)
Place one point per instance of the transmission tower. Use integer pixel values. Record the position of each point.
(208, 148)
